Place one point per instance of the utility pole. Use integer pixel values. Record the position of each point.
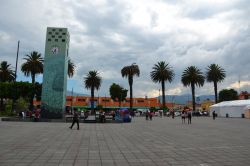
(17, 58)
(239, 85)
(14, 100)
(71, 100)
(105, 101)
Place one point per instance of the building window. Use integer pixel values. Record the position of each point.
(63, 40)
(59, 36)
(60, 30)
(53, 29)
(140, 101)
(53, 36)
(105, 100)
(69, 100)
(49, 39)
(50, 33)
(81, 100)
(64, 33)
(56, 40)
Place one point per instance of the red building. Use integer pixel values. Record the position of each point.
(107, 102)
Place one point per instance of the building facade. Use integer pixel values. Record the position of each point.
(55, 73)
(107, 102)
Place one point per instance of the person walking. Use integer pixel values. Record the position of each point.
(151, 115)
(37, 115)
(189, 115)
(147, 115)
(75, 119)
(214, 115)
(172, 112)
(183, 116)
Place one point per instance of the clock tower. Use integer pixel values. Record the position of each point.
(55, 73)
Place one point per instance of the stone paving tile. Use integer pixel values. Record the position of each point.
(163, 141)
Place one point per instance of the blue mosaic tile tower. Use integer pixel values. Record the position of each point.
(55, 73)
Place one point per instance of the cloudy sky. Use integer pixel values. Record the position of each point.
(107, 35)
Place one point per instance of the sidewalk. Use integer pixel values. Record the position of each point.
(163, 141)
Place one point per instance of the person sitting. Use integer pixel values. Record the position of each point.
(103, 120)
(37, 116)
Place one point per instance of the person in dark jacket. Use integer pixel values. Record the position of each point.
(214, 115)
(75, 119)
(189, 115)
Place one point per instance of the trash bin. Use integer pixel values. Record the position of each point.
(243, 115)
(227, 115)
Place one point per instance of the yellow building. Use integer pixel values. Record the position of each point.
(206, 104)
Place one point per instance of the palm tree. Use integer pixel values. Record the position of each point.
(130, 72)
(215, 74)
(32, 66)
(6, 73)
(162, 72)
(71, 68)
(192, 76)
(92, 81)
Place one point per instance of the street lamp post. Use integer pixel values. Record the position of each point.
(14, 100)
(17, 58)
(71, 101)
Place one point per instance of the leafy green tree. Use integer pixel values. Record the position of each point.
(38, 91)
(192, 76)
(6, 75)
(215, 74)
(228, 95)
(130, 72)
(32, 67)
(11, 90)
(92, 81)
(117, 93)
(162, 73)
(21, 104)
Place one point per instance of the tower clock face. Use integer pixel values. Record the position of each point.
(54, 50)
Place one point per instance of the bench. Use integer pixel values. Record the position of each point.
(68, 118)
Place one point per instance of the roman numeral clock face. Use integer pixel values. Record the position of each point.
(54, 50)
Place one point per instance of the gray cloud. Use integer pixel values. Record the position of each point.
(106, 37)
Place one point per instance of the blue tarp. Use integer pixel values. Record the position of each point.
(123, 115)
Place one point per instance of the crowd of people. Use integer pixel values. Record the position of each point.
(34, 114)
(186, 114)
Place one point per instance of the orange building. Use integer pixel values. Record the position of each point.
(107, 102)
(244, 95)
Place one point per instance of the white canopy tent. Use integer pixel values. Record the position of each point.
(235, 108)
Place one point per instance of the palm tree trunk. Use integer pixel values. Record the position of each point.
(193, 95)
(215, 92)
(92, 98)
(163, 94)
(131, 97)
(131, 92)
(1, 105)
(33, 91)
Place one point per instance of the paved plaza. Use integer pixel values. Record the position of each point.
(163, 141)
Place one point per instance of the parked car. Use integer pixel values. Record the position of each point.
(156, 113)
(205, 113)
(177, 113)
